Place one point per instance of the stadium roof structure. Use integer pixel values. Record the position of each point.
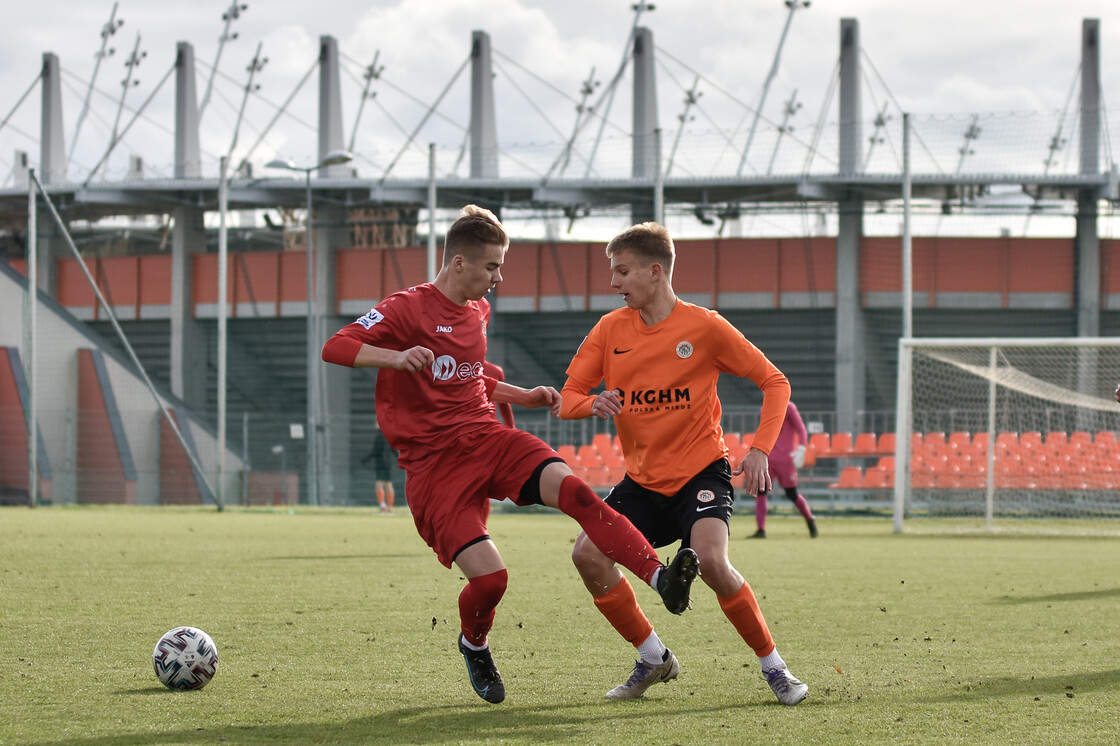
(660, 170)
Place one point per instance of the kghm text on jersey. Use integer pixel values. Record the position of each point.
(655, 396)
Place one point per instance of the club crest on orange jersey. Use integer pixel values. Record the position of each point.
(684, 350)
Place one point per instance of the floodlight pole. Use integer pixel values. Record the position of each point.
(32, 375)
(907, 239)
(432, 269)
(333, 158)
(223, 323)
(312, 368)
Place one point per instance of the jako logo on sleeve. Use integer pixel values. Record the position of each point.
(371, 318)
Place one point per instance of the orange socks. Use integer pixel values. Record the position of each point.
(741, 609)
(620, 607)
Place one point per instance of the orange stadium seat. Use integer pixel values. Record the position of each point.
(921, 479)
(840, 445)
(1055, 439)
(1031, 440)
(602, 441)
(886, 444)
(959, 441)
(1080, 439)
(597, 476)
(1106, 438)
(735, 449)
(1009, 441)
(588, 456)
(818, 444)
(878, 478)
(935, 442)
(567, 451)
(864, 445)
(851, 477)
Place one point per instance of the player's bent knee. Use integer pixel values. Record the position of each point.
(587, 557)
(490, 588)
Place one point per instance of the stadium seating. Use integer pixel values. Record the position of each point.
(865, 444)
(840, 445)
(818, 445)
(877, 477)
(851, 477)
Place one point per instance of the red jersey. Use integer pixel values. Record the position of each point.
(425, 412)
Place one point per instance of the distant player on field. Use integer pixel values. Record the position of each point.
(436, 407)
(787, 456)
(660, 358)
(382, 478)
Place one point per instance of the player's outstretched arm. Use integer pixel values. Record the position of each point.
(540, 396)
(353, 353)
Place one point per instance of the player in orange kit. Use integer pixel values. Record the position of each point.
(435, 406)
(660, 358)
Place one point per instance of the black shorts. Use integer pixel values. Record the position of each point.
(663, 520)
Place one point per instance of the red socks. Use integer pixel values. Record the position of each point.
(610, 532)
(477, 603)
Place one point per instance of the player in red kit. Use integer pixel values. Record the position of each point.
(435, 405)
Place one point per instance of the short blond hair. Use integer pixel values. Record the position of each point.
(474, 230)
(650, 243)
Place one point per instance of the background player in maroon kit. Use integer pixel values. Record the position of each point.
(435, 405)
(786, 458)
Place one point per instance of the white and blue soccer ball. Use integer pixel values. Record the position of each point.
(185, 658)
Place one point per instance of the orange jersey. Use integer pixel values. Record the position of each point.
(666, 376)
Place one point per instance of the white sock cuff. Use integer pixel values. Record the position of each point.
(772, 661)
(652, 650)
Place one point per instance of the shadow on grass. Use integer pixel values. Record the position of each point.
(1059, 597)
(447, 724)
(1034, 686)
(337, 557)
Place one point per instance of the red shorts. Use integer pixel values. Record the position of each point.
(449, 492)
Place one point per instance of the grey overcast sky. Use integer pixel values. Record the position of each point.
(949, 57)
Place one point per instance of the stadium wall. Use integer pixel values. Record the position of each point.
(60, 342)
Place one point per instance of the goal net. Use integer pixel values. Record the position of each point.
(1008, 430)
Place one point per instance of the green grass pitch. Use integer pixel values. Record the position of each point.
(339, 626)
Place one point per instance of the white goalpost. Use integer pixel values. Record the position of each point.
(1008, 429)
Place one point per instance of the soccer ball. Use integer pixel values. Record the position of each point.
(185, 658)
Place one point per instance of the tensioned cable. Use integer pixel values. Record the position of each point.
(406, 94)
(913, 130)
(425, 118)
(128, 126)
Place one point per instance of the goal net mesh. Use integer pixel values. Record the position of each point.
(1006, 430)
